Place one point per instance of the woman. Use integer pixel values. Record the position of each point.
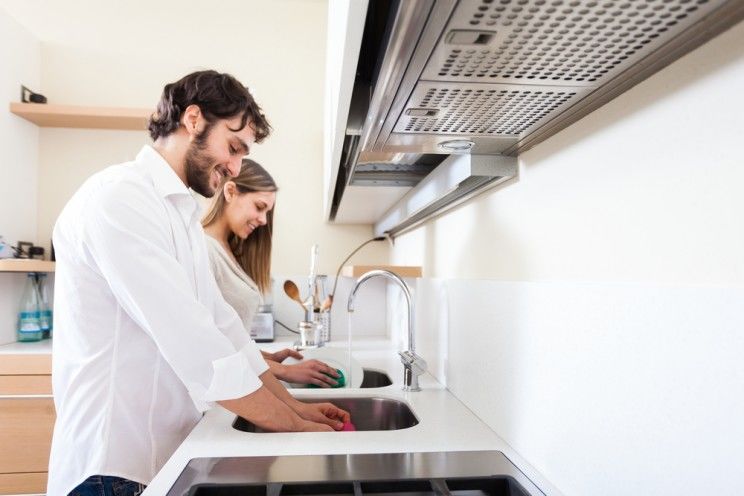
(239, 226)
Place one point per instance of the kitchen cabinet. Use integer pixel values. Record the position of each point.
(26, 422)
(48, 115)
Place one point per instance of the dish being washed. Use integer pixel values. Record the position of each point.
(334, 357)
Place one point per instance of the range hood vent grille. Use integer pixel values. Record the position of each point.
(550, 41)
(463, 109)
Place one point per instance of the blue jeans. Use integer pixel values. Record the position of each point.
(106, 485)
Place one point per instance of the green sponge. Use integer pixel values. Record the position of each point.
(340, 380)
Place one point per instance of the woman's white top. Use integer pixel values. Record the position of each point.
(143, 340)
(237, 287)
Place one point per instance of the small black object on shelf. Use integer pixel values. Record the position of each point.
(28, 96)
(23, 250)
(36, 252)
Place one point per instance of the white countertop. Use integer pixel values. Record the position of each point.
(42, 347)
(445, 424)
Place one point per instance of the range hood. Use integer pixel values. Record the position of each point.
(437, 79)
(456, 179)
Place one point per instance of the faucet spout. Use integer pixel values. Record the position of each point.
(413, 365)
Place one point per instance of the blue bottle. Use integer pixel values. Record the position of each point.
(29, 328)
(45, 311)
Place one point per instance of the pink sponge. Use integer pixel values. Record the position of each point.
(348, 426)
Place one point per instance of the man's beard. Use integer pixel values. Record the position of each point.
(199, 165)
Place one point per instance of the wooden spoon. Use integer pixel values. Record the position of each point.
(326, 306)
(293, 292)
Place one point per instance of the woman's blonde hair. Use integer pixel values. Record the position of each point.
(254, 253)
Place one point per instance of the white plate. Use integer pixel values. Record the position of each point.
(337, 358)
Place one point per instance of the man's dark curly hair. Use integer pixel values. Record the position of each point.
(219, 96)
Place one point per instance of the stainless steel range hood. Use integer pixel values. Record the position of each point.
(435, 78)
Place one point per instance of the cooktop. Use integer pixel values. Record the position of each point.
(409, 474)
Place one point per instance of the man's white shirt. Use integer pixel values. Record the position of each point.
(143, 340)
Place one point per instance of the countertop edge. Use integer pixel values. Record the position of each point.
(43, 347)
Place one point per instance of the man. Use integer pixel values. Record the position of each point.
(144, 342)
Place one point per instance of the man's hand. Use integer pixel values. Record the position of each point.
(271, 413)
(308, 372)
(322, 413)
(282, 355)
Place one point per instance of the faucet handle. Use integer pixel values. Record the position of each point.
(413, 366)
(413, 361)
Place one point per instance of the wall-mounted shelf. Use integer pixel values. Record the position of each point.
(401, 270)
(25, 265)
(47, 115)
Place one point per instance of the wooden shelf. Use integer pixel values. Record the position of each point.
(401, 270)
(46, 115)
(25, 265)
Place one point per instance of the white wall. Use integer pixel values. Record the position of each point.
(74, 55)
(593, 307)
(276, 48)
(19, 56)
(368, 320)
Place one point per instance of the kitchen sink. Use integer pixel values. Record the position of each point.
(375, 378)
(408, 474)
(367, 414)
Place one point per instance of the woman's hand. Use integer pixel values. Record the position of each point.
(282, 355)
(308, 372)
(322, 413)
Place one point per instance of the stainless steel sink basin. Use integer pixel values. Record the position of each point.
(375, 378)
(367, 414)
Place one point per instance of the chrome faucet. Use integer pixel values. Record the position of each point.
(413, 365)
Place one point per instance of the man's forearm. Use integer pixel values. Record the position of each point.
(265, 410)
(272, 384)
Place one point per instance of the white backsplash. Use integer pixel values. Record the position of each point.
(608, 389)
(370, 307)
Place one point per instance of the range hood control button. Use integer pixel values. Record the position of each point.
(422, 112)
(458, 145)
(468, 37)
